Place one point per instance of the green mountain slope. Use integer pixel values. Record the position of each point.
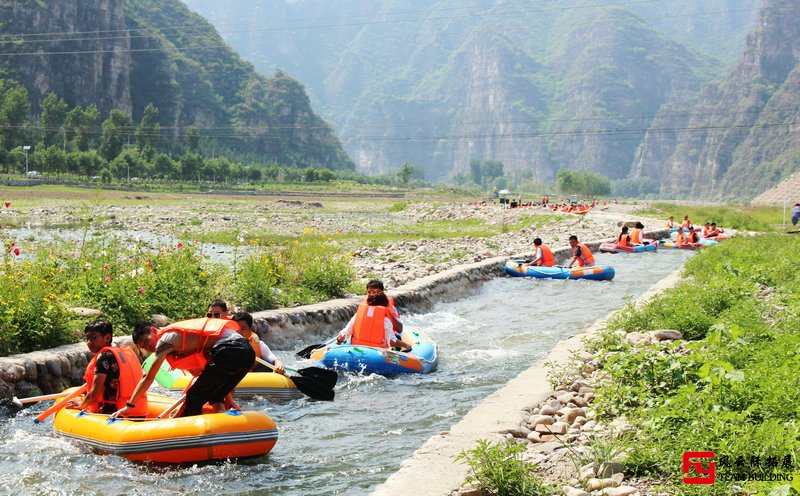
(126, 54)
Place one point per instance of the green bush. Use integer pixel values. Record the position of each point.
(255, 278)
(31, 316)
(128, 282)
(498, 469)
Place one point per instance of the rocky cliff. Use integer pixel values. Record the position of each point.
(740, 138)
(538, 85)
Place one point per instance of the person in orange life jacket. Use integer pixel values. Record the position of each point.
(686, 222)
(624, 239)
(715, 231)
(245, 321)
(141, 333)
(671, 222)
(692, 236)
(706, 229)
(211, 350)
(542, 258)
(218, 309)
(636, 234)
(680, 240)
(580, 253)
(370, 316)
(375, 287)
(111, 374)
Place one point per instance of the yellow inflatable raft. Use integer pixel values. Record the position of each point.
(211, 436)
(267, 384)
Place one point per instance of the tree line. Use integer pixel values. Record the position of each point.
(78, 141)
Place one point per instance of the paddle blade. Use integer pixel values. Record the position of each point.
(324, 377)
(312, 388)
(60, 404)
(306, 352)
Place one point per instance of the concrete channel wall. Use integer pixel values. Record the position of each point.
(53, 370)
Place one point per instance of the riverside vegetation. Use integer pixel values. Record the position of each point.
(729, 387)
(128, 281)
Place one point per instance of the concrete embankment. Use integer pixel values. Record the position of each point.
(432, 469)
(49, 371)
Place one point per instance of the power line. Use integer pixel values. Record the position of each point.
(211, 31)
(205, 26)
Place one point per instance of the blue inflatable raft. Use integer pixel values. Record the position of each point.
(422, 359)
(515, 268)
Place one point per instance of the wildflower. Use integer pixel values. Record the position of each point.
(180, 245)
(8, 204)
(149, 264)
(108, 279)
(141, 290)
(16, 251)
(105, 266)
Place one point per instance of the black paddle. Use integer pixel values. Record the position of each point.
(314, 382)
(306, 352)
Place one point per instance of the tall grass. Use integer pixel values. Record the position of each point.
(759, 219)
(733, 390)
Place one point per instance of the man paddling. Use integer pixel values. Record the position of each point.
(210, 349)
(580, 253)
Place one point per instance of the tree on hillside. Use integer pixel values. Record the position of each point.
(14, 115)
(475, 171)
(54, 115)
(405, 173)
(193, 139)
(491, 169)
(81, 126)
(149, 131)
(116, 131)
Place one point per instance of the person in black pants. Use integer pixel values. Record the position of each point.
(209, 349)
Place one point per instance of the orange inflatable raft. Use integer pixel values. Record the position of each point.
(211, 436)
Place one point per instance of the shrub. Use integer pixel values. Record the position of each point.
(31, 316)
(499, 470)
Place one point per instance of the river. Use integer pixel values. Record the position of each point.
(350, 445)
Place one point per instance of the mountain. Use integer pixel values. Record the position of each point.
(126, 54)
(740, 138)
(538, 85)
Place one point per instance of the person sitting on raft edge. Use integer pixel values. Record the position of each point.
(371, 326)
(111, 375)
(580, 253)
(245, 321)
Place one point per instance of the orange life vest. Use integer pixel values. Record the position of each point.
(693, 237)
(203, 327)
(547, 260)
(130, 373)
(686, 223)
(679, 238)
(706, 231)
(636, 235)
(670, 224)
(368, 327)
(586, 257)
(624, 239)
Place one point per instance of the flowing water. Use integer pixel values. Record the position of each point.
(349, 446)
